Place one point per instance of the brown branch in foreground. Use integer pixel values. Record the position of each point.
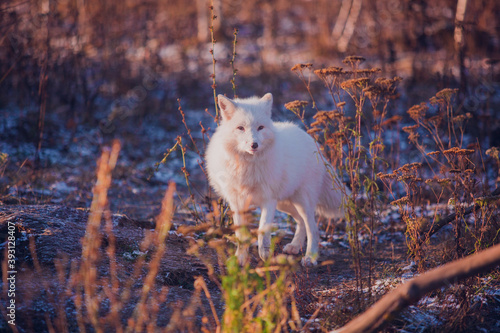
(427, 231)
(411, 291)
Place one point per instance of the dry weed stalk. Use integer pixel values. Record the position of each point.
(91, 288)
(213, 17)
(352, 138)
(409, 176)
(233, 58)
(92, 241)
(299, 70)
(163, 224)
(455, 164)
(344, 140)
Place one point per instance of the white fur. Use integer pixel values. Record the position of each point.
(283, 170)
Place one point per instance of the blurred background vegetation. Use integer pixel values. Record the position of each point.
(67, 63)
(75, 74)
(80, 52)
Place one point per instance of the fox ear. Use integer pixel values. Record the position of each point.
(226, 107)
(267, 99)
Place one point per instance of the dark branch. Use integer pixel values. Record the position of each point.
(416, 288)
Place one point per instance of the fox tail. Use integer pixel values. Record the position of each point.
(333, 197)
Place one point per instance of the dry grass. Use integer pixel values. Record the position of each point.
(270, 296)
(354, 142)
(355, 129)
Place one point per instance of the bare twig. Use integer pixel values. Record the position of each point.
(427, 231)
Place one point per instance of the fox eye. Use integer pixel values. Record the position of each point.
(260, 128)
(241, 128)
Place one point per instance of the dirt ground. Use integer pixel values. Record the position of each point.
(49, 206)
(57, 232)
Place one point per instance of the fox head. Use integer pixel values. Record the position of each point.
(247, 123)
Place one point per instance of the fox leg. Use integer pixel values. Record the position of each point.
(299, 238)
(242, 237)
(307, 214)
(268, 210)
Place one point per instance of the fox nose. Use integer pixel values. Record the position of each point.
(255, 145)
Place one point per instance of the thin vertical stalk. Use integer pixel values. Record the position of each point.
(213, 17)
(234, 70)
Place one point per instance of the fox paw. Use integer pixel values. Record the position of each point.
(292, 248)
(242, 255)
(308, 261)
(263, 252)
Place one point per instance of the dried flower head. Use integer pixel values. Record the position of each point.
(455, 151)
(435, 120)
(329, 71)
(415, 165)
(383, 88)
(321, 115)
(378, 147)
(295, 105)
(451, 151)
(400, 201)
(372, 92)
(388, 83)
(446, 94)
(493, 152)
(404, 169)
(334, 115)
(466, 152)
(413, 137)
(410, 129)
(300, 67)
(417, 112)
(331, 142)
(386, 176)
(443, 181)
(407, 177)
(316, 123)
(367, 72)
(474, 145)
(313, 130)
(336, 138)
(461, 118)
(391, 121)
(353, 83)
(353, 60)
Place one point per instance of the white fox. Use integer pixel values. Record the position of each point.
(272, 165)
